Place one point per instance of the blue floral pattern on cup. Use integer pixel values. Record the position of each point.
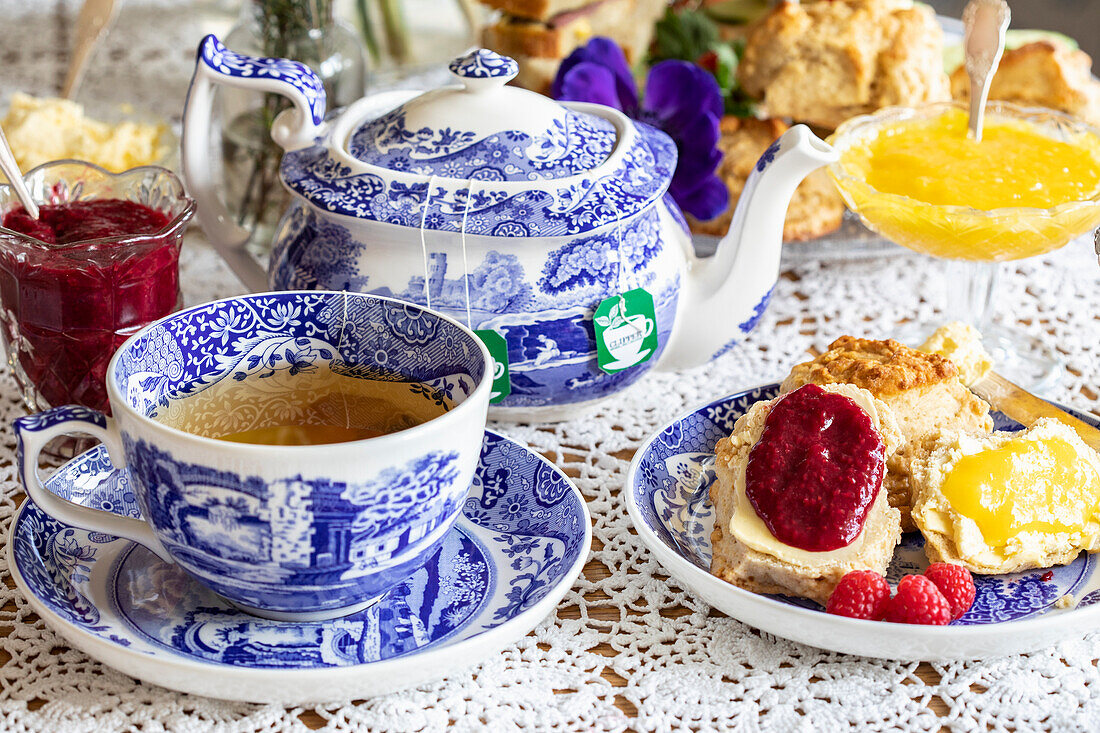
(672, 486)
(208, 343)
(504, 555)
(43, 420)
(354, 540)
(311, 533)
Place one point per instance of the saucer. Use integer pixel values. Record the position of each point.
(522, 539)
(667, 498)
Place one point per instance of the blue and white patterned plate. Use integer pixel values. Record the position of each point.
(667, 497)
(521, 541)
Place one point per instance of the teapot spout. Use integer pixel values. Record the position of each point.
(734, 285)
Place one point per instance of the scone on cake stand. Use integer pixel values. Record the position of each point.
(825, 62)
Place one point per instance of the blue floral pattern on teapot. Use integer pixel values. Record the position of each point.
(516, 213)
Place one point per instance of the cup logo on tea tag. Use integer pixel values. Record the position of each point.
(626, 330)
(498, 349)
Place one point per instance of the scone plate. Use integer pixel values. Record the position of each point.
(667, 498)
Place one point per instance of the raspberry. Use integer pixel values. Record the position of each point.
(955, 583)
(918, 601)
(860, 594)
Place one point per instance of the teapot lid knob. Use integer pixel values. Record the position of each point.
(482, 69)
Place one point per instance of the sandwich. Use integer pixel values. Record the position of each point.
(538, 34)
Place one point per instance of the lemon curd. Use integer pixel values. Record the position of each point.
(924, 183)
(1024, 486)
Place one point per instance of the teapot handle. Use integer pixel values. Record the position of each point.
(293, 129)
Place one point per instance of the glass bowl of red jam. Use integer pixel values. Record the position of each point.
(100, 263)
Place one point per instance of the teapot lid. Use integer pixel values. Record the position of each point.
(483, 130)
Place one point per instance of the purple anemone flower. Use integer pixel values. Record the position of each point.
(680, 98)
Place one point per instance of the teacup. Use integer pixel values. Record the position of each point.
(284, 532)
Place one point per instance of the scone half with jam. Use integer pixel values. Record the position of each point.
(798, 496)
(1008, 501)
(923, 390)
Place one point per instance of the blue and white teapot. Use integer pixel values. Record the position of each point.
(509, 211)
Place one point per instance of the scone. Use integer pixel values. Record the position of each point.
(824, 62)
(816, 207)
(962, 344)
(1045, 73)
(923, 391)
(745, 551)
(1008, 501)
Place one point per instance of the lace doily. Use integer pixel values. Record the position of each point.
(628, 648)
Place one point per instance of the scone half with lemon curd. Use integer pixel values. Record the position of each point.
(745, 551)
(1008, 501)
(922, 389)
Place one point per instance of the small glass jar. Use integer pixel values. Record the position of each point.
(66, 308)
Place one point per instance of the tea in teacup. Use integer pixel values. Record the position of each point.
(312, 408)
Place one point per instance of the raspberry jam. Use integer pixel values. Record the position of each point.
(72, 291)
(816, 469)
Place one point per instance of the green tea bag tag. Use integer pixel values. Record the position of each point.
(626, 330)
(498, 349)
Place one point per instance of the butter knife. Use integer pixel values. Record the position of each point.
(1025, 408)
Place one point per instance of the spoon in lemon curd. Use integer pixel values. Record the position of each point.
(984, 24)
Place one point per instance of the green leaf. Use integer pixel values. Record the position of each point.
(690, 35)
(725, 72)
(686, 35)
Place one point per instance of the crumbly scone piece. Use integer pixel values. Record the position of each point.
(811, 575)
(951, 537)
(923, 391)
(816, 207)
(1044, 73)
(962, 344)
(824, 62)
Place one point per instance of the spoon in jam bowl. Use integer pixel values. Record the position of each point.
(15, 176)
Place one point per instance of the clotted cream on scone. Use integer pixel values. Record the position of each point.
(798, 495)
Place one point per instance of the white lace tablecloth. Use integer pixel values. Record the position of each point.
(628, 647)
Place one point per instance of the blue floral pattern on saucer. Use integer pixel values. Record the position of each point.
(523, 537)
(671, 490)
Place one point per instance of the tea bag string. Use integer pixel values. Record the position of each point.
(423, 240)
(622, 265)
(465, 263)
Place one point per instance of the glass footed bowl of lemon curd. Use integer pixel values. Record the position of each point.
(1030, 186)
